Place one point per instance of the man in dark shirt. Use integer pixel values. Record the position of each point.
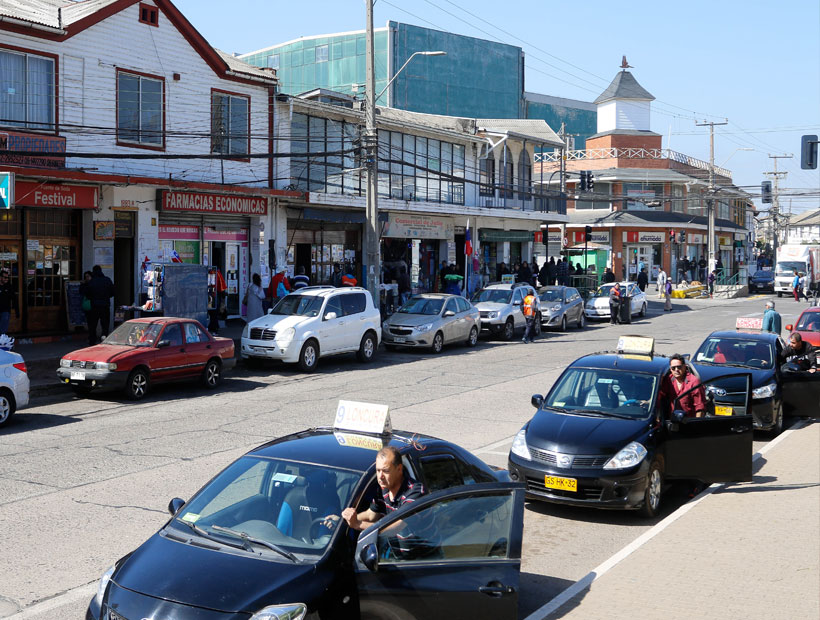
(8, 300)
(300, 280)
(99, 290)
(643, 280)
(800, 352)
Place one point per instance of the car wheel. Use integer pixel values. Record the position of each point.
(367, 348)
(438, 342)
(537, 326)
(777, 427)
(473, 339)
(652, 494)
(136, 388)
(642, 313)
(582, 321)
(509, 330)
(212, 375)
(7, 407)
(563, 323)
(309, 356)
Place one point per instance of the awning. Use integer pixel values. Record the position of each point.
(331, 215)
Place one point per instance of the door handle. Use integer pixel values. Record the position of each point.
(739, 429)
(496, 589)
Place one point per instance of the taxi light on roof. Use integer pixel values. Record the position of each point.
(362, 418)
(640, 345)
(749, 322)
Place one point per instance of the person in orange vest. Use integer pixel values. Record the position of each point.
(529, 308)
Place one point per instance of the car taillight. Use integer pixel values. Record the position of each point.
(21, 366)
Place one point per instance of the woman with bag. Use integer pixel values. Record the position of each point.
(254, 295)
(667, 293)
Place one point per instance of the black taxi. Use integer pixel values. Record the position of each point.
(255, 543)
(605, 437)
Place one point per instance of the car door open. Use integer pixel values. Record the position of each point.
(453, 554)
(801, 392)
(717, 447)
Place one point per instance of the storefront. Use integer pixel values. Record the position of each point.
(642, 248)
(416, 243)
(520, 248)
(317, 239)
(725, 244)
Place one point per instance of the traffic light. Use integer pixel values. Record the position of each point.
(808, 152)
(591, 181)
(682, 236)
(588, 233)
(766, 192)
(671, 236)
(583, 180)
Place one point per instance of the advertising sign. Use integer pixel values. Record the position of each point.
(6, 190)
(212, 234)
(196, 202)
(173, 231)
(33, 194)
(696, 239)
(601, 236)
(49, 150)
(362, 417)
(407, 226)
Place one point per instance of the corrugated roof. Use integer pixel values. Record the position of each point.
(809, 218)
(75, 11)
(536, 129)
(624, 86)
(42, 12)
(240, 66)
(645, 218)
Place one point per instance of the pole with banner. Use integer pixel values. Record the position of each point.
(468, 252)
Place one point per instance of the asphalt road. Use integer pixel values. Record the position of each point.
(84, 481)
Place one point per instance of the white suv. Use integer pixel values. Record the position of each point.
(313, 322)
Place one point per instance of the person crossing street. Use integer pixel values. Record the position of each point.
(530, 310)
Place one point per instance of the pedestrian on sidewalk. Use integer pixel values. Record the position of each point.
(661, 282)
(796, 286)
(8, 300)
(254, 296)
(702, 269)
(712, 277)
(609, 276)
(615, 304)
(667, 295)
(529, 309)
(771, 319)
(99, 290)
(643, 280)
(274, 290)
(300, 280)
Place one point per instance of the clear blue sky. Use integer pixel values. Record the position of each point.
(754, 62)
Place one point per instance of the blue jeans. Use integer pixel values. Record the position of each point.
(5, 317)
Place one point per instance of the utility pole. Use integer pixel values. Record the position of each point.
(710, 202)
(775, 210)
(370, 144)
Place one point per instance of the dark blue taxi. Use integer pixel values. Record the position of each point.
(604, 436)
(254, 543)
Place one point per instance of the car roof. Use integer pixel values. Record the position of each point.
(435, 295)
(160, 319)
(544, 289)
(321, 446)
(325, 290)
(745, 335)
(506, 285)
(653, 364)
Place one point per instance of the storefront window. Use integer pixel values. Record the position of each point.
(51, 255)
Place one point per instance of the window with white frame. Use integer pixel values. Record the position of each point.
(321, 53)
(27, 94)
(229, 124)
(273, 61)
(140, 109)
(677, 199)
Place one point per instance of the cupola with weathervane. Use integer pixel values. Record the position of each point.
(623, 114)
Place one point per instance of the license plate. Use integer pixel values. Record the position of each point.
(721, 410)
(113, 615)
(79, 376)
(562, 484)
(261, 349)
(399, 339)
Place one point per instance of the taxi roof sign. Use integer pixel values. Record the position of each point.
(637, 345)
(749, 322)
(362, 418)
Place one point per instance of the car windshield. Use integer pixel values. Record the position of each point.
(135, 334)
(787, 267)
(273, 503)
(494, 295)
(763, 275)
(301, 305)
(604, 291)
(422, 305)
(809, 322)
(551, 296)
(740, 351)
(619, 392)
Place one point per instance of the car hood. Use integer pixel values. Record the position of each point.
(103, 353)
(204, 577)
(760, 376)
(491, 305)
(598, 301)
(577, 434)
(279, 322)
(412, 319)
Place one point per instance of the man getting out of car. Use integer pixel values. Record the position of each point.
(678, 381)
(800, 352)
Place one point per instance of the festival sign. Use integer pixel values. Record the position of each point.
(34, 194)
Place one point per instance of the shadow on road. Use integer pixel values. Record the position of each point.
(26, 421)
(537, 590)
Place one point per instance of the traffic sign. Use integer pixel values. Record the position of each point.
(6, 190)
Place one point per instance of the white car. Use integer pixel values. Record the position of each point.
(14, 384)
(313, 322)
(597, 306)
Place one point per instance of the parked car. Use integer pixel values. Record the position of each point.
(808, 326)
(432, 320)
(14, 384)
(500, 305)
(762, 280)
(561, 305)
(255, 542)
(314, 322)
(597, 306)
(142, 352)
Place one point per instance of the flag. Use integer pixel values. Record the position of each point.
(468, 243)
(146, 264)
(175, 257)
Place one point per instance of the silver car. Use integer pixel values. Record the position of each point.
(561, 306)
(501, 307)
(432, 320)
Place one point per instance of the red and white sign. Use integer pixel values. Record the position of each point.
(172, 231)
(212, 234)
(748, 322)
(34, 194)
(49, 150)
(195, 202)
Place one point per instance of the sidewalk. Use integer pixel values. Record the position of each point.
(43, 358)
(745, 551)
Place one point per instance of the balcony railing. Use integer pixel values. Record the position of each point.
(630, 153)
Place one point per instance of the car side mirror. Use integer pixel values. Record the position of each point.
(537, 400)
(789, 327)
(163, 343)
(449, 313)
(370, 557)
(517, 302)
(174, 505)
(329, 316)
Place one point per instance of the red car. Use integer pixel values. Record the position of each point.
(145, 351)
(808, 326)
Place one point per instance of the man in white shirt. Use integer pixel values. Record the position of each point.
(661, 282)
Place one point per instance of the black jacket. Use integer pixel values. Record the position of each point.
(99, 290)
(8, 299)
(806, 357)
(643, 280)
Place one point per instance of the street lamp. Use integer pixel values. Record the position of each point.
(407, 62)
(743, 148)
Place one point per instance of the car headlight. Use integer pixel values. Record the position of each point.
(105, 366)
(106, 577)
(764, 391)
(519, 447)
(64, 363)
(629, 456)
(291, 611)
(423, 328)
(286, 335)
(246, 332)
(555, 308)
(492, 315)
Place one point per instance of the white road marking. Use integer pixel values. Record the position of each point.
(600, 570)
(70, 596)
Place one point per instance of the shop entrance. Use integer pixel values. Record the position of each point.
(9, 260)
(124, 260)
(648, 256)
(225, 257)
(303, 259)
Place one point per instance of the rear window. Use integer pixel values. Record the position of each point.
(353, 303)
